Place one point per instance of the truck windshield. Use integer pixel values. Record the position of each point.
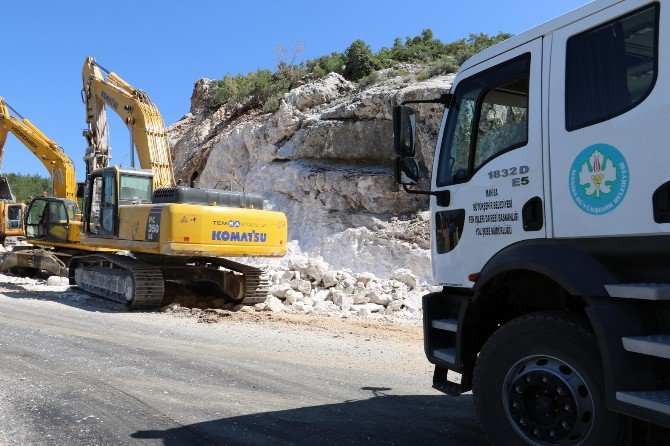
(456, 140)
(135, 189)
(490, 117)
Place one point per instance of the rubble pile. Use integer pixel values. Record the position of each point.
(308, 285)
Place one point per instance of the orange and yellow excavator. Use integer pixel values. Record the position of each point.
(58, 241)
(166, 232)
(11, 215)
(47, 151)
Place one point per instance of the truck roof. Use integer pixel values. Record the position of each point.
(539, 31)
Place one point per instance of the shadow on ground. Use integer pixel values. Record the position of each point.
(72, 297)
(184, 295)
(380, 420)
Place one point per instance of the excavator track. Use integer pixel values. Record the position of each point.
(257, 281)
(254, 285)
(119, 278)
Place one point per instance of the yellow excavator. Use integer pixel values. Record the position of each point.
(11, 215)
(160, 231)
(53, 223)
(46, 150)
(11, 211)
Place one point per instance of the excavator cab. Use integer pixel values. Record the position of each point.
(11, 212)
(11, 221)
(14, 216)
(107, 189)
(52, 219)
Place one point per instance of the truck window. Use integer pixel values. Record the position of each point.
(503, 123)
(611, 68)
(490, 117)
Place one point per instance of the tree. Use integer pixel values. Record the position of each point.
(427, 35)
(358, 60)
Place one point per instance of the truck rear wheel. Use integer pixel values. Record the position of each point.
(539, 381)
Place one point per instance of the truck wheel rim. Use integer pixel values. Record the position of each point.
(548, 402)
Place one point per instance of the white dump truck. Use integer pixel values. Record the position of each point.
(550, 229)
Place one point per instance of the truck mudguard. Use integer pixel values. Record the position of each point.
(579, 273)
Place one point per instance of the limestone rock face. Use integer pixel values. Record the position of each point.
(325, 158)
(319, 92)
(200, 95)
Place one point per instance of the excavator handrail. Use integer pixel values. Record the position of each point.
(103, 88)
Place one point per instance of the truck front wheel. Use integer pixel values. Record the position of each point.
(539, 381)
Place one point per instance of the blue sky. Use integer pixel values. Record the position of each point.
(163, 47)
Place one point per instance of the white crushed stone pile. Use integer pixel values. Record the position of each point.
(308, 285)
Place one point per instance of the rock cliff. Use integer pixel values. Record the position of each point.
(325, 158)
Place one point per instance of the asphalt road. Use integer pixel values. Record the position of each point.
(76, 371)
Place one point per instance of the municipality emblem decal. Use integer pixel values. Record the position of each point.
(599, 179)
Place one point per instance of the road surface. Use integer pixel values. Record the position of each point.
(77, 370)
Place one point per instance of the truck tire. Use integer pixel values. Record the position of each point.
(539, 381)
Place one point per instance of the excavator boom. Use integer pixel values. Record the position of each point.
(145, 123)
(58, 164)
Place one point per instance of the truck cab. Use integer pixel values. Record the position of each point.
(550, 204)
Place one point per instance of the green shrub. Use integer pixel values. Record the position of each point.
(321, 66)
(368, 80)
(359, 61)
(25, 187)
(465, 48)
(272, 104)
(445, 65)
(264, 89)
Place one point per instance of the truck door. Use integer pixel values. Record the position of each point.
(608, 130)
(489, 158)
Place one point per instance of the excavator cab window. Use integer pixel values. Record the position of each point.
(14, 216)
(102, 206)
(108, 207)
(34, 216)
(92, 220)
(135, 189)
(47, 219)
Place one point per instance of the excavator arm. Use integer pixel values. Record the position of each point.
(3, 138)
(145, 123)
(58, 164)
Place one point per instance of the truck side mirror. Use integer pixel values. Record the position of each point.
(404, 129)
(406, 171)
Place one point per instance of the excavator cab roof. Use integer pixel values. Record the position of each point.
(124, 170)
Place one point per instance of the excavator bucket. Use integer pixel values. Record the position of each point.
(36, 260)
(5, 190)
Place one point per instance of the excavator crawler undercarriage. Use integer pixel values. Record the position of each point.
(139, 282)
